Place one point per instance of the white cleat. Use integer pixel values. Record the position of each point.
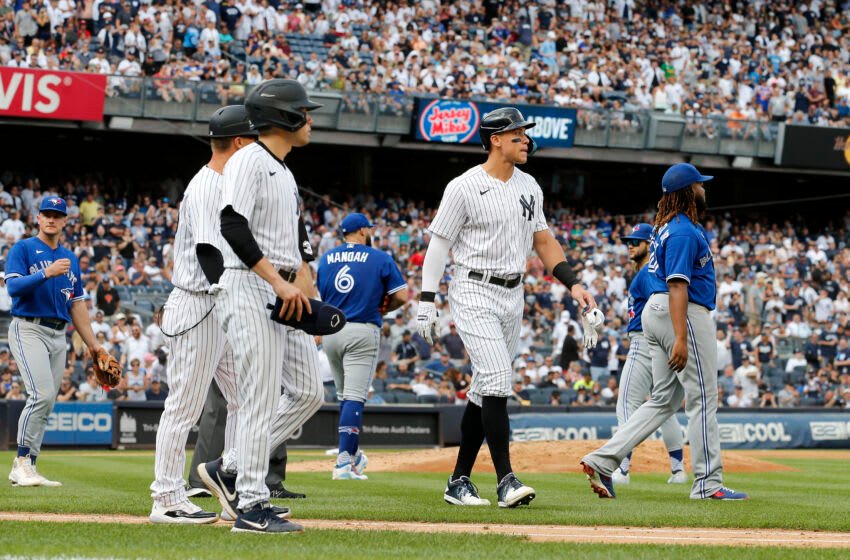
(23, 473)
(186, 513)
(619, 478)
(347, 472)
(678, 477)
(45, 481)
(360, 462)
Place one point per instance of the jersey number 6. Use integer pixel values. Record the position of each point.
(344, 282)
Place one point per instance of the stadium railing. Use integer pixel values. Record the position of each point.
(388, 113)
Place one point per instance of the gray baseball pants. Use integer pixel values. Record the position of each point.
(697, 383)
(40, 354)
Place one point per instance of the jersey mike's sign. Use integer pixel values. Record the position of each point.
(41, 94)
(457, 122)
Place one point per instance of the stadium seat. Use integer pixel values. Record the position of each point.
(403, 397)
(427, 399)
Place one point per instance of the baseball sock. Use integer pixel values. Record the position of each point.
(350, 422)
(33, 458)
(23, 451)
(676, 460)
(624, 466)
(471, 438)
(497, 428)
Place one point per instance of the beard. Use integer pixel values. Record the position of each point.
(701, 204)
(640, 255)
(368, 241)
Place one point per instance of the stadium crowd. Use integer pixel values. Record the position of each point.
(782, 311)
(709, 60)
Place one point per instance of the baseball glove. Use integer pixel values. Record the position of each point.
(107, 370)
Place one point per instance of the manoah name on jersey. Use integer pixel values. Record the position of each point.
(347, 257)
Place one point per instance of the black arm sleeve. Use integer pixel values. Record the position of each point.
(235, 230)
(211, 261)
(564, 272)
(304, 242)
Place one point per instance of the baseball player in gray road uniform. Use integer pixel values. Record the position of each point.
(197, 346)
(681, 335)
(636, 378)
(259, 221)
(491, 217)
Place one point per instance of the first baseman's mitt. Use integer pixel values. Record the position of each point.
(107, 370)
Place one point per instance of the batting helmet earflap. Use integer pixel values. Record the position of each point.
(279, 103)
(230, 121)
(503, 119)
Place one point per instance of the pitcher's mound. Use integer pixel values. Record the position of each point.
(539, 457)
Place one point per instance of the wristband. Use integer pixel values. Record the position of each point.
(427, 296)
(564, 273)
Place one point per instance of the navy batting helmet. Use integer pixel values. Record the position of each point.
(280, 103)
(503, 119)
(231, 120)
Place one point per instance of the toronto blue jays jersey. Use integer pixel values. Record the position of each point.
(355, 278)
(639, 292)
(53, 297)
(679, 249)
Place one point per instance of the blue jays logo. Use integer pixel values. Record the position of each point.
(631, 307)
(55, 201)
(68, 293)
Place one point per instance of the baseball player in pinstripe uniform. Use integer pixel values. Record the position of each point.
(197, 346)
(44, 280)
(259, 222)
(636, 378)
(356, 278)
(681, 335)
(491, 217)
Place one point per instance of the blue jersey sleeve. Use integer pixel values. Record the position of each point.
(16, 261)
(679, 257)
(393, 280)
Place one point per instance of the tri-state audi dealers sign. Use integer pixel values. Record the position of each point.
(43, 94)
(457, 122)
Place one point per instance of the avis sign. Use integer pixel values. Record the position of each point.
(42, 94)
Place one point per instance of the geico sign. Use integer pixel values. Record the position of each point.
(79, 422)
(753, 432)
(39, 92)
(25, 92)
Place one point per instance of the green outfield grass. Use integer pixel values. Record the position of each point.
(816, 497)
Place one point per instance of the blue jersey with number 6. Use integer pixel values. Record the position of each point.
(355, 278)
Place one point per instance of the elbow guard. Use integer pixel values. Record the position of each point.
(235, 230)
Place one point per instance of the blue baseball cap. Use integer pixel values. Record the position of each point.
(353, 222)
(640, 232)
(55, 204)
(680, 176)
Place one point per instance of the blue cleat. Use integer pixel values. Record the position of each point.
(261, 519)
(728, 494)
(601, 484)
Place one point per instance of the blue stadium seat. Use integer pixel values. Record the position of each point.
(427, 399)
(403, 397)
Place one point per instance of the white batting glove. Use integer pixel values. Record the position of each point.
(590, 321)
(426, 320)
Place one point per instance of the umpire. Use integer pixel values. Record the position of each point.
(364, 283)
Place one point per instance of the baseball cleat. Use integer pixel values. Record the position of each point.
(462, 492)
(728, 494)
(600, 483)
(281, 493)
(194, 492)
(261, 519)
(222, 484)
(23, 473)
(186, 513)
(347, 472)
(513, 493)
(619, 477)
(281, 512)
(45, 481)
(361, 461)
(678, 477)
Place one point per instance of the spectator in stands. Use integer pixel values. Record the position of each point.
(15, 393)
(136, 383)
(405, 352)
(739, 399)
(453, 344)
(747, 377)
(788, 397)
(108, 300)
(5, 383)
(5, 298)
(156, 392)
(90, 390)
(67, 390)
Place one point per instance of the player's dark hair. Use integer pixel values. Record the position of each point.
(678, 202)
(221, 144)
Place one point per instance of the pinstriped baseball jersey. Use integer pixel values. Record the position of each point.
(199, 223)
(491, 224)
(261, 188)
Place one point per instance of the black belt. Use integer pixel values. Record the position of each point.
(512, 282)
(56, 324)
